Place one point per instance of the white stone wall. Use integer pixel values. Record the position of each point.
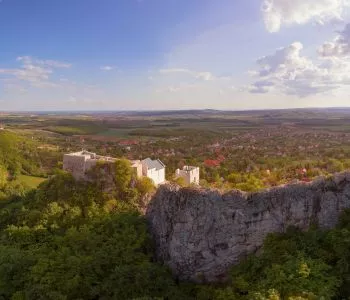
(137, 167)
(75, 165)
(90, 163)
(161, 176)
(158, 176)
(78, 165)
(189, 174)
(144, 169)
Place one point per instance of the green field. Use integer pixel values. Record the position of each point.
(30, 181)
(76, 130)
(114, 132)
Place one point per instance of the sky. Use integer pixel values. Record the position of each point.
(174, 54)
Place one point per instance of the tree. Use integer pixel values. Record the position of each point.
(180, 181)
(122, 176)
(3, 176)
(334, 165)
(145, 186)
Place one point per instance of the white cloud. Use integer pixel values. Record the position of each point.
(107, 68)
(81, 100)
(261, 87)
(36, 72)
(339, 47)
(174, 89)
(72, 99)
(288, 12)
(168, 71)
(284, 61)
(27, 60)
(288, 72)
(206, 76)
(180, 80)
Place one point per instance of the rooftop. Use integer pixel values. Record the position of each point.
(189, 168)
(91, 155)
(153, 164)
(83, 153)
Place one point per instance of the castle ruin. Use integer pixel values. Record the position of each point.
(189, 174)
(78, 163)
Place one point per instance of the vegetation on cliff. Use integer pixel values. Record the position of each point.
(69, 240)
(298, 265)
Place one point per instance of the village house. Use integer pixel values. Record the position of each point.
(154, 169)
(189, 174)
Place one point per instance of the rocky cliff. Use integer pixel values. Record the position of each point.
(201, 233)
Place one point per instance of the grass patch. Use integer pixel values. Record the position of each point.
(30, 181)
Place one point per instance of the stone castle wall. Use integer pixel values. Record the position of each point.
(201, 233)
(75, 165)
(79, 165)
(189, 174)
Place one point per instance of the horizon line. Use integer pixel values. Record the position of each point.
(172, 110)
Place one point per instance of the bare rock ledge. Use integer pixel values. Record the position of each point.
(201, 233)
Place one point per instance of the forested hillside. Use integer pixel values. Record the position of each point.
(68, 241)
(18, 154)
(19, 159)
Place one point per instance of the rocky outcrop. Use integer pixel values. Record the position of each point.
(200, 233)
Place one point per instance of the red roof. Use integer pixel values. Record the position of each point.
(128, 142)
(211, 163)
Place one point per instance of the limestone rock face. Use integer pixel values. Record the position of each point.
(200, 233)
